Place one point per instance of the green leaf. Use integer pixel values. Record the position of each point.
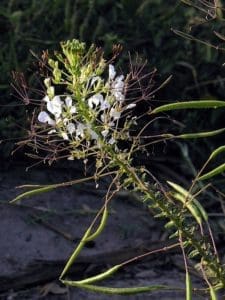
(201, 104)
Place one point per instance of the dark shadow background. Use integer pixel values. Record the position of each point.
(144, 27)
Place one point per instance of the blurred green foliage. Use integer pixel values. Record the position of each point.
(140, 26)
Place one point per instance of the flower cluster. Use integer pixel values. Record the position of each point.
(96, 118)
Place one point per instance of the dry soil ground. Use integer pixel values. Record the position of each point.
(38, 235)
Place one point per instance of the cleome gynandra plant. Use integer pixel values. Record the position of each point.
(89, 112)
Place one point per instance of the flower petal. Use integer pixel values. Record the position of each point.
(105, 132)
(104, 105)
(94, 79)
(95, 100)
(111, 141)
(115, 114)
(94, 135)
(119, 96)
(46, 98)
(64, 135)
(70, 157)
(119, 83)
(54, 106)
(112, 72)
(131, 105)
(68, 101)
(80, 130)
(71, 128)
(44, 117)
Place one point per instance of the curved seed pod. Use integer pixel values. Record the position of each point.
(75, 253)
(99, 277)
(118, 291)
(217, 152)
(189, 198)
(33, 193)
(190, 206)
(101, 226)
(200, 134)
(218, 170)
(189, 104)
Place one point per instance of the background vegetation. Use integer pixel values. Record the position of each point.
(143, 26)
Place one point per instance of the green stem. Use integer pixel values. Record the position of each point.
(177, 216)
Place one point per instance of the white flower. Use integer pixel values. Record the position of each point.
(71, 128)
(112, 72)
(69, 102)
(54, 106)
(95, 100)
(115, 114)
(44, 117)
